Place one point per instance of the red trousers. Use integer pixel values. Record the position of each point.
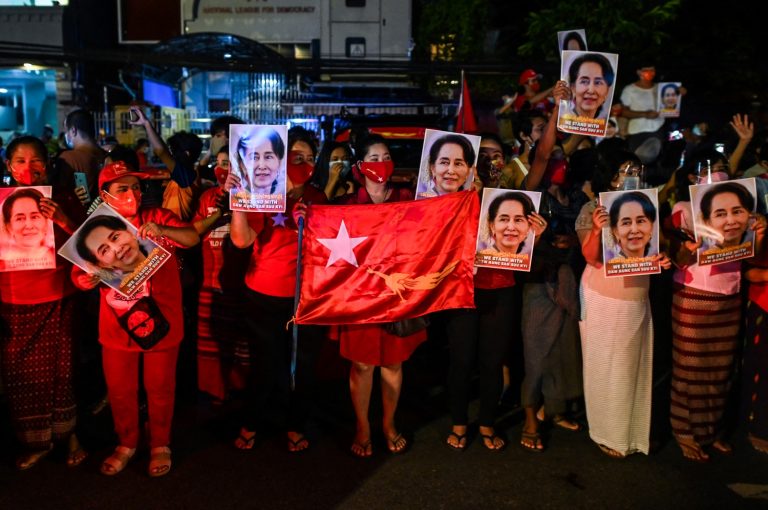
(121, 370)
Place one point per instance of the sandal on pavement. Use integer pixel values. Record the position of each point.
(362, 450)
(397, 444)
(566, 424)
(29, 460)
(723, 447)
(496, 442)
(298, 445)
(76, 454)
(159, 461)
(611, 452)
(531, 442)
(692, 451)
(244, 441)
(761, 445)
(116, 462)
(460, 444)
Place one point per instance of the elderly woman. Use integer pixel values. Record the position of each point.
(726, 210)
(451, 163)
(590, 77)
(617, 341)
(36, 309)
(28, 230)
(706, 317)
(510, 216)
(632, 217)
(260, 152)
(112, 247)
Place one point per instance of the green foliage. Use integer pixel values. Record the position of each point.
(627, 27)
(457, 26)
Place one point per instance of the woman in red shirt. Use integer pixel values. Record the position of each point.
(36, 309)
(121, 356)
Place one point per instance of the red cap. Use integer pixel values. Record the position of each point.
(116, 170)
(527, 75)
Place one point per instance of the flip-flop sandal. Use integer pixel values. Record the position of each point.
(532, 437)
(300, 445)
(76, 457)
(722, 447)
(116, 462)
(564, 423)
(159, 461)
(30, 460)
(366, 448)
(458, 447)
(397, 444)
(246, 442)
(611, 452)
(693, 452)
(492, 439)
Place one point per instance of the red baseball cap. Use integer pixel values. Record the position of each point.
(114, 171)
(527, 75)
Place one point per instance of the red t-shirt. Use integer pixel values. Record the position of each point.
(272, 269)
(45, 285)
(164, 287)
(212, 241)
(758, 291)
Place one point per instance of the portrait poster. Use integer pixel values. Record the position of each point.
(504, 235)
(257, 155)
(591, 77)
(669, 98)
(574, 40)
(26, 235)
(631, 239)
(447, 164)
(107, 245)
(723, 214)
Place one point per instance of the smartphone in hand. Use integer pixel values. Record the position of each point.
(81, 181)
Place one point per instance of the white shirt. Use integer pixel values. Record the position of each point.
(640, 100)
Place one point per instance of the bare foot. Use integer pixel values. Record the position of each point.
(611, 452)
(457, 439)
(761, 445)
(723, 447)
(693, 451)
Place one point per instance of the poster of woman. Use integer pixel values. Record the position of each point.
(669, 98)
(591, 77)
(724, 219)
(574, 40)
(631, 239)
(26, 236)
(447, 163)
(257, 156)
(507, 229)
(107, 245)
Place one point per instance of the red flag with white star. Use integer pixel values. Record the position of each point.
(388, 262)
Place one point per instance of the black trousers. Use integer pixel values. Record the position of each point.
(270, 354)
(479, 339)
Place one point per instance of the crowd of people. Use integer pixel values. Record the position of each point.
(587, 340)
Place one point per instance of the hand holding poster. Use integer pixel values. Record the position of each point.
(107, 245)
(631, 239)
(257, 154)
(669, 99)
(591, 77)
(723, 220)
(507, 229)
(447, 163)
(26, 236)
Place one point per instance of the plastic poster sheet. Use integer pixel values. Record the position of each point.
(452, 166)
(575, 40)
(722, 220)
(631, 239)
(669, 98)
(26, 236)
(257, 154)
(504, 236)
(592, 79)
(110, 248)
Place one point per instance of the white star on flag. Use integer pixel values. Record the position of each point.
(342, 246)
(279, 219)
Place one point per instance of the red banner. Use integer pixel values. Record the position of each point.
(387, 262)
(465, 121)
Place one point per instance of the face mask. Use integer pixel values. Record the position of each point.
(697, 130)
(535, 86)
(68, 141)
(648, 75)
(221, 175)
(377, 171)
(299, 173)
(346, 166)
(556, 172)
(127, 206)
(29, 176)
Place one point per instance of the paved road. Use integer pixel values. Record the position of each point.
(209, 473)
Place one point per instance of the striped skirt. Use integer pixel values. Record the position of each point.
(222, 344)
(36, 365)
(755, 378)
(705, 328)
(617, 348)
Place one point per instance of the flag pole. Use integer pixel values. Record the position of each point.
(297, 291)
(461, 101)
